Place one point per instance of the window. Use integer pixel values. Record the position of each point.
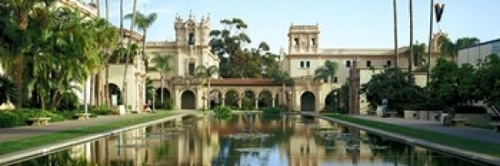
(295, 41)
(348, 64)
(313, 41)
(191, 69)
(389, 63)
(335, 79)
(325, 80)
(305, 64)
(191, 39)
(368, 63)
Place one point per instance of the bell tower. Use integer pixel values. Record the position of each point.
(192, 33)
(303, 39)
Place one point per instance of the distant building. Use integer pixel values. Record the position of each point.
(478, 52)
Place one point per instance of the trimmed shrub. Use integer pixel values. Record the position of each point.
(103, 110)
(10, 119)
(26, 113)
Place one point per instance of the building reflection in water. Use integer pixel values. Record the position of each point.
(293, 140)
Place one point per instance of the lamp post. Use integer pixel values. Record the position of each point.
(333, 101)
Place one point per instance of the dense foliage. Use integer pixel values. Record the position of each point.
(397, 86)
(236, 60)
(222, 113)
(48, 50)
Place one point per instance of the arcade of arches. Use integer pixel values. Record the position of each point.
(245, 94)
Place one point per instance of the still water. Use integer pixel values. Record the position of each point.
(245, 140)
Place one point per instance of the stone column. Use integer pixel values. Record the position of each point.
(273, 103)
(256, 103)
(240, 102)
(223, 102)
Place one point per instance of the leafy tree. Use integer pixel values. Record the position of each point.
(162, 65)
(397, 86)
(236, 60)
(488, 77)
(443, 86)
(17, 36)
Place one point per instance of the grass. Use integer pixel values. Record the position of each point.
(440, 138)
(36, 141)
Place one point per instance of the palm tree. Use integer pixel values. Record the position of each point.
(395, 15)
(125, 72)
(327, 72)
(206, 73)
(410, 58)
(283, 78)
(162, 65)
(143, 23)
(450, 49)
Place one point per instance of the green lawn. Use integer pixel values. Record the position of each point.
(444, 139)
(31, 142)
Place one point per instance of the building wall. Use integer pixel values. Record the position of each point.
(473, 54)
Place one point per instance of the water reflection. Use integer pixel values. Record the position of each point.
(246, 139)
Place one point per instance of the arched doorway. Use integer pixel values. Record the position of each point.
(188, 100)
(308, 102)
(115, 94)
(265, 99)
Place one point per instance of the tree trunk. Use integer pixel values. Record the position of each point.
(19, 65)
(144, 56)
(161, 92)
(208, 93)
(107, 11)
(410, 57)
(127, 56)
(395, 13)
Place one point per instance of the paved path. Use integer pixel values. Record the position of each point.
(483, 135)
(9, 134)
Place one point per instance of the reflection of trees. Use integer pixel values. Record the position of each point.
(59, 158)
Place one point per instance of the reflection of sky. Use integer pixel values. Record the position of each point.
(271, 157)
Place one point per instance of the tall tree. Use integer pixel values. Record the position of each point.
(395, 15)
(410, 57)
(162, 65)
(16, 17)
(327, 72)
(125, 73)
(206, 72)
(143, 23)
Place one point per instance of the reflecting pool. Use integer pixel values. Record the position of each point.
(247, 139)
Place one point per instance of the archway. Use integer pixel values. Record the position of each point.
(115, 94)
(231, 99)
(265, 99)
(308, 102)
(215, 98)
(248, 100)
(188, 100)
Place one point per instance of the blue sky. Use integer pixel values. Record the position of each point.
(343, 23)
